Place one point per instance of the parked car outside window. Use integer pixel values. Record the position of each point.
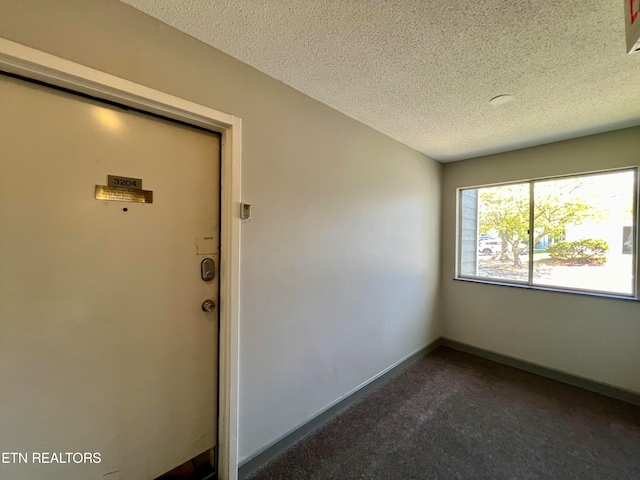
(486, 236)
(490, 247)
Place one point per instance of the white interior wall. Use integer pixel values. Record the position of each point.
(340, 262)
(592, 337)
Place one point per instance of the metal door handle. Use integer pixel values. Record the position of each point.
(208, 305)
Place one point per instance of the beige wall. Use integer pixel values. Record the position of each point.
(340, 263)
(595, 338)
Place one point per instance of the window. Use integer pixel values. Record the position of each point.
(567, 233)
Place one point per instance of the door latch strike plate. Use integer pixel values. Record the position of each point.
(245, 212)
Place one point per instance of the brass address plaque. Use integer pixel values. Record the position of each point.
(123, 194)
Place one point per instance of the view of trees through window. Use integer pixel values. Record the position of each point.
(571, 232)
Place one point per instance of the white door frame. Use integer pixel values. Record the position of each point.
(34, 64)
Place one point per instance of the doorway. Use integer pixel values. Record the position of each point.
(105, 348)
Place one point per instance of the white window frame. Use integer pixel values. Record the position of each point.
(529, 282)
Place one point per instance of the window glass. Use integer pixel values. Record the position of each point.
(500, 238)
(583, 232)
(503, 218)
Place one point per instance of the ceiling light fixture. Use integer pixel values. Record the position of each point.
(500, 99)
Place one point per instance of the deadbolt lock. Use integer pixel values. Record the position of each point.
(207, 269)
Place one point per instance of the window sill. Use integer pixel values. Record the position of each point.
(548, 289)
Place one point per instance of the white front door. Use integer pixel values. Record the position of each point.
(105, 350)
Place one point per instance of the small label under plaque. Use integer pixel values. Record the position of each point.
(120, 194)
(115, 181)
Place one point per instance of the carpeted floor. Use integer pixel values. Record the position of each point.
(453, 415)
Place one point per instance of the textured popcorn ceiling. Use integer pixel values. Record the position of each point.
(423, 71)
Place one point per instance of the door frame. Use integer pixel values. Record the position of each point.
(37, 65)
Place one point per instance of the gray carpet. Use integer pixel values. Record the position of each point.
(453, 415)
